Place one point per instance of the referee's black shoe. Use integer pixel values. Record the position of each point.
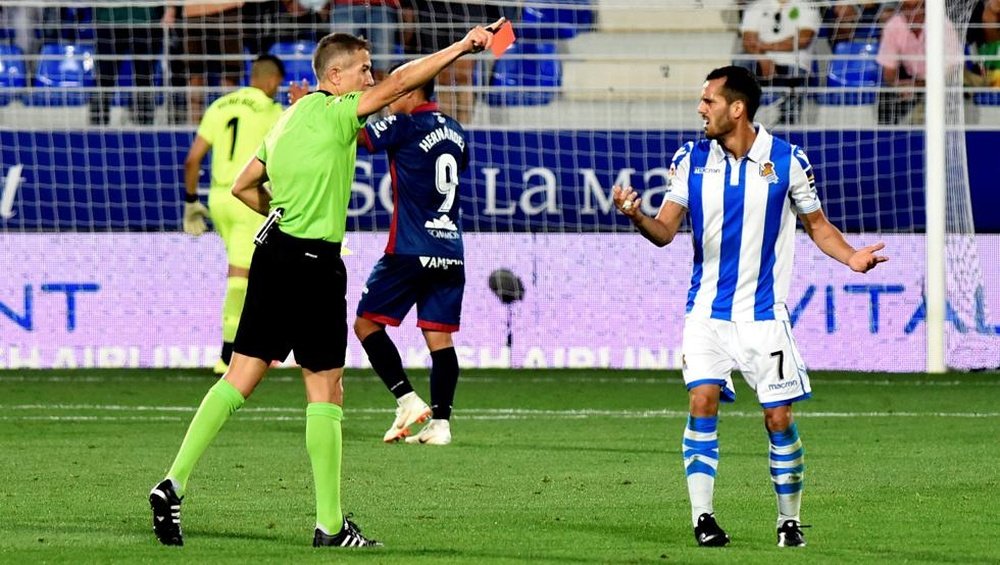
(166, 507)
(348, 536)
(708, 533)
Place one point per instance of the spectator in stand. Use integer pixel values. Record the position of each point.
(780, 33)
(260, 20)
(376, 21)
(439, 23)
(984, 37)
(213, 44)
(21, 24)
(271, 21)
(133, 33)
(856, 22)
(901, 56)
(302, 20)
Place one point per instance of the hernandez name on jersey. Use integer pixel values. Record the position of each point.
(427, 152)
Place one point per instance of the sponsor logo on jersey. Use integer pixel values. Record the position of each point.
(442, 223)
(439, 262)
(442, 228)
(708, 170)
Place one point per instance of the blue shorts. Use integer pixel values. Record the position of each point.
(397, 282)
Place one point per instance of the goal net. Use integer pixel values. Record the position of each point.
(99, 103)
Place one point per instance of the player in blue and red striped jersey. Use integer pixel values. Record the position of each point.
(423, 263)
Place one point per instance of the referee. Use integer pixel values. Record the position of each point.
(232, 128)
(296, 294)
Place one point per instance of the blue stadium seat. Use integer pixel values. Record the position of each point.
(13, 73)
(854, 69)
(987, 98)
(297, 58)
(526, 65)
(63, 65)
(543, 21)
(126, 81)
(78, 23)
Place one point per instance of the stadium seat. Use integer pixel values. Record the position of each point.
(987, 98)
(77, 23)
(13, 73)
(63, 65)
(126, 81)
(297, 58)
(855, 70)
(526, 66)
(544, 21)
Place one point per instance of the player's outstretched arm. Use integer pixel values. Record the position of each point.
(249, 187)
(659, 230)
(831, 241)
(417, 72)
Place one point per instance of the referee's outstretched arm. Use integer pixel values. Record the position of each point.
(414, 74)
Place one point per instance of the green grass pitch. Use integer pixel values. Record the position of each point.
(546, 467)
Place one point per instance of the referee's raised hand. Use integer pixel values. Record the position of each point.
(480, 38)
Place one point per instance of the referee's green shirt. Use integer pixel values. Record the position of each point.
(234, 126)
(309, 156)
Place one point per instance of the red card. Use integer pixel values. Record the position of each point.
(503, 38)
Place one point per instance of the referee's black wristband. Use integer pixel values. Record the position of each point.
(189, 198)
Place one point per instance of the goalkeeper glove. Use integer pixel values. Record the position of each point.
(194, 218)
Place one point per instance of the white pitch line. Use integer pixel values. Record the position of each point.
(278, 413)
(817, 381)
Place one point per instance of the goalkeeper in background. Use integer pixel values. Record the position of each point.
(233, 128)
(743, 190)
(423, 262)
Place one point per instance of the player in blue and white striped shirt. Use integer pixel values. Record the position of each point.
(743, 190)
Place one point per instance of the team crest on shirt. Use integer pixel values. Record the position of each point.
(767, 171)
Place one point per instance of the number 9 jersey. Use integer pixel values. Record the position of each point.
(427, 152)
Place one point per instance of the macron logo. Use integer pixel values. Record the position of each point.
(438, 262)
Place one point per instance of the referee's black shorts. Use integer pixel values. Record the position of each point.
(296, 301)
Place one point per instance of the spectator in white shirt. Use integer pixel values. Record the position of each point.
(780, 33)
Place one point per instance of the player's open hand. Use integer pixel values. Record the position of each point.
(865, 259)
(297, 90)
(194, 218)
(626, 200)
(480, 38)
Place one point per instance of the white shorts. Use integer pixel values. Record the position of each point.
(763, 351)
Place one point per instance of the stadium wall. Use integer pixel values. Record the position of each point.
(548, 181)
(139, 294)
(598, 300)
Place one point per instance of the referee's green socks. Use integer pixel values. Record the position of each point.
(221, 402)
(324, 442)
(232, 307)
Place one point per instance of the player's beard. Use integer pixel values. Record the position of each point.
(717, 128)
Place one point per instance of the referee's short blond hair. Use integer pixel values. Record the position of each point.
(333, 47)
